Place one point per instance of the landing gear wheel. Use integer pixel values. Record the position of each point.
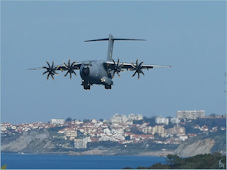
(107, 86)
(87, 87)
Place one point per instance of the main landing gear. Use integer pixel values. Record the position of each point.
(87, 87)
(107, 86)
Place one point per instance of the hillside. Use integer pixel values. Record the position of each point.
(203, 144)
(43, 142)
(203, 161)
(32, 141)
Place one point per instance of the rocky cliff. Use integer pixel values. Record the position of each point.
(202, 144)
(198, 147)
(32, 141)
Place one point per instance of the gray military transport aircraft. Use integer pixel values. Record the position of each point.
(99, 72)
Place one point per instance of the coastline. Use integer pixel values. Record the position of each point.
(100, 153)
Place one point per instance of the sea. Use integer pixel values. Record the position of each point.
(53, 161)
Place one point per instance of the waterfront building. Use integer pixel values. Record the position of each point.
(69, 133)
(81, 143)
(183, 137)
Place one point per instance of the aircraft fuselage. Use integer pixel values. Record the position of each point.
(95, 72)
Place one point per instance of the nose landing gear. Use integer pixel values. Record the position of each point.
(86, 84)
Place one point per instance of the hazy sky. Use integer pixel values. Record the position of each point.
(189, 36)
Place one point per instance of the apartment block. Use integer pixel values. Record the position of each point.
(160, 120)
(190, 114)
(57, 121)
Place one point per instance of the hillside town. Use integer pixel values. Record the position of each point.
(123, 129)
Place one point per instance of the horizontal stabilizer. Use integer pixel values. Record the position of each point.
(111, 40)
(120, 39)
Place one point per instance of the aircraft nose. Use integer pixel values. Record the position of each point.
(85, 71)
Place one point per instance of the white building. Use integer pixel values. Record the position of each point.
(190, 114)
(81, 143)
(135, 117)
(175, 120)
(183, 137)
(107, 131)
(69, 133)
(160, 120)
(147, 129)
(119, 119)
(57, 121)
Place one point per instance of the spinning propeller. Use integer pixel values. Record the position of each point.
(117, 67)
(138, 68)
(50, 70)
(70, 68)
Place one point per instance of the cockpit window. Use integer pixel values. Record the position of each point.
(88, 64)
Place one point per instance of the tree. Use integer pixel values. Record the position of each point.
(213, 115)
(159, 166)
(69, 119)
(86, 120)
(174, 161)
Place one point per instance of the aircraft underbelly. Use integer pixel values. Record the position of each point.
(96, 73)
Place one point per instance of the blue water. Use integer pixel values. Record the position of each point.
(33, 161)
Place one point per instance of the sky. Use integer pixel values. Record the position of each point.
(190, 36)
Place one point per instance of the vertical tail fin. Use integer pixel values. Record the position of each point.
(111, 40)
(110, 48)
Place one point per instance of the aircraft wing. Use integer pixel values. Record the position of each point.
(51, 68)
(75, 66)
(117, 67)
(131, 66)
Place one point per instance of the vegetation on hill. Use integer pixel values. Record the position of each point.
(206, 161)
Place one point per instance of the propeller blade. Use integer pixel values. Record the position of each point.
(138, 68)
(134, 74)
(74, 73)
(48, 76)
(140, 65)
(117, 67)
(69, 68)
(45, 72)
(50, 70)
(52, 76)
(48, 64)
(66, 74)
(142, 72)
